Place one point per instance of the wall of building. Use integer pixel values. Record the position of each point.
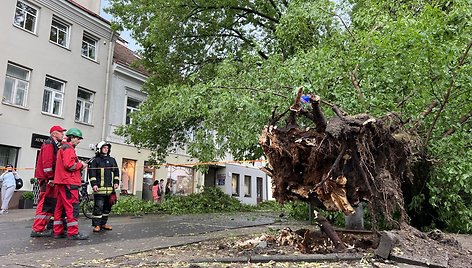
(224, 182)
(92, 5)
(186, 179)
(45, 58)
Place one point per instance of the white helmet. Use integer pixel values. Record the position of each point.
(101, 144)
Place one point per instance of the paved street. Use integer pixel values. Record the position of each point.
(130, 234)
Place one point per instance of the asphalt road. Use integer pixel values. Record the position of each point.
(15, 237)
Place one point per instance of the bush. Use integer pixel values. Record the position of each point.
(27, 195)
(211, 200)
(130, 205)
(270, 205)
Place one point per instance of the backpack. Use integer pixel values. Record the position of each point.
(18, 182)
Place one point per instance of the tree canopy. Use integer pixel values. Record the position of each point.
(219, 67)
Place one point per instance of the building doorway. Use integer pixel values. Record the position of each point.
(128, 171)
(259, 184)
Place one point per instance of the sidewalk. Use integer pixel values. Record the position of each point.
(15, 215)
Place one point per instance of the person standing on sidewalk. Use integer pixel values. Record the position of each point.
(104, 179)
(8, 187)
(156, 191)
(44, 172)
(67, 180)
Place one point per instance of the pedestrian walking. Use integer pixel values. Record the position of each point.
(104, 179)
(162, 189)
(44, 172)
(67, 180)
(8, 187)
(156, 191)
(168, 190)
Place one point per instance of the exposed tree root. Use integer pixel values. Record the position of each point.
(340, 162)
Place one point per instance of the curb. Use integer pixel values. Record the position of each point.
(331, 257)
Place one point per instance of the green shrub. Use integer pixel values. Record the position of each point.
(27, 195)
(130, 205)
(297, 210)
(270, 205)
(212, 199)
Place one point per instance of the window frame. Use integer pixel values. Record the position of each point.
(53, 96)
(15, 79)
(25, 13)
(8, 155)
(95, 46)
(132, 110)
(247, 187)
(83, 106)
(235, 181)
(67, 32)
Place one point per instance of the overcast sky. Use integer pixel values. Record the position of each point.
(125, 34)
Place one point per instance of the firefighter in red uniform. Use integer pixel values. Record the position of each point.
(44, 172)
(67, 181)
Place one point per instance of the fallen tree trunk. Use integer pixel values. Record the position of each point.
(339, 162)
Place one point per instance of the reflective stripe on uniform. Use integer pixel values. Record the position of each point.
(96, 216)
(42, 217)
(102, 175)
(105, 215)
(57, 223)
(47, 169)
(93, 179)
(72, 223)
(105, 190)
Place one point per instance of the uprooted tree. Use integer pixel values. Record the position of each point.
(339, 162)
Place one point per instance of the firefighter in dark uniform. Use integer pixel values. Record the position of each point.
(44, 172)
(104, 179)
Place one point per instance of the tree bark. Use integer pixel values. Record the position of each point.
(318, 116)
(328, 229)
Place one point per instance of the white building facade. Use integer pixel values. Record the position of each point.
(54, 60)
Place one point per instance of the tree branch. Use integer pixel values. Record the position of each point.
(262, 15)
(462, 120)
(252, 88)
(448, 93)
(275, 8)
(355, 83)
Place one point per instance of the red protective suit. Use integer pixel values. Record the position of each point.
(67, 181)
(45, 167)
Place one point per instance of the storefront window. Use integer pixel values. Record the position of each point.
(8, 155)
(127, 176)
(181, 180)
(235, 184)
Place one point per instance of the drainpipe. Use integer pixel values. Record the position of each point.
(107, 82)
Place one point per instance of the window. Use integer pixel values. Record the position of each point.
(235, 184)
(247, 186)
(8, 155)
(53, 96)
(25, 16)
(131, 106)
(83, 110)
(16, 85)
(59, 33)
(89, 47)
